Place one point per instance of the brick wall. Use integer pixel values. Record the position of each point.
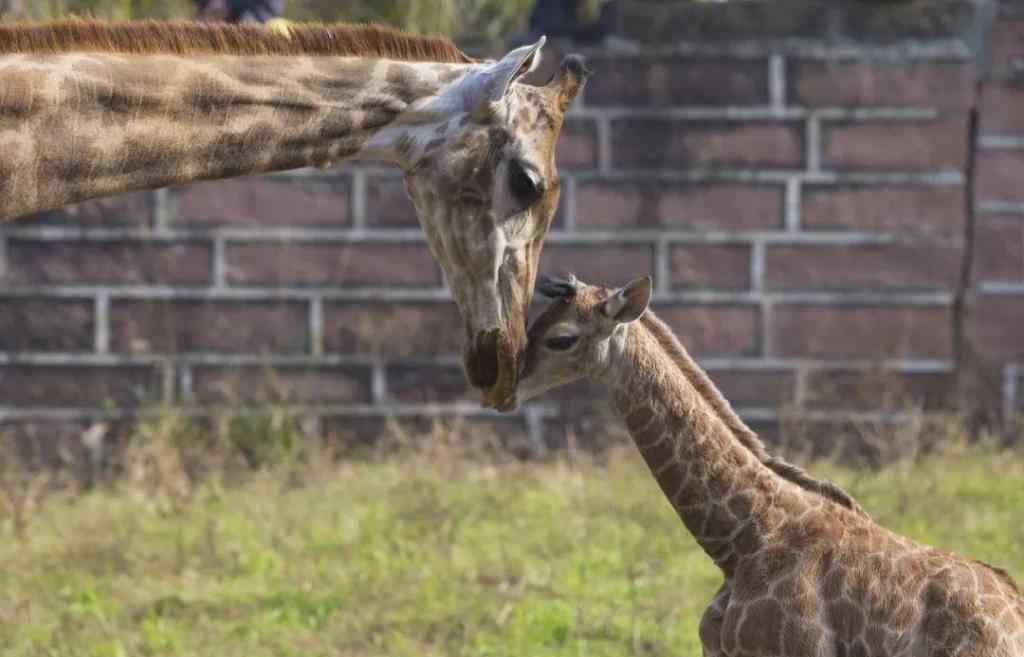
(802, 203)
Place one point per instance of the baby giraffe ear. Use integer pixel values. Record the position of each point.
(628, 303)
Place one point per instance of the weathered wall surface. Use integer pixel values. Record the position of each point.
(825, 233)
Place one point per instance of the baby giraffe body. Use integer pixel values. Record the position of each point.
(807, 572)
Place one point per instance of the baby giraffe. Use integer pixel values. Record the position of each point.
(807, 572)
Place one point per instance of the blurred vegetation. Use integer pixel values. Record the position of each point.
(445, 546)
(474, 20)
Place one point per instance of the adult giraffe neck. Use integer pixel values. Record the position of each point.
(76, 126)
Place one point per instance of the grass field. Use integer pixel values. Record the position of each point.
(423, 554)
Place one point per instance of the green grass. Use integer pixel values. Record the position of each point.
(424, 555)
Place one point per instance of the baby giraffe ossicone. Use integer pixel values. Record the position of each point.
(807, 572)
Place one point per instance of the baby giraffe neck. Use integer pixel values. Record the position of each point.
(718, 485)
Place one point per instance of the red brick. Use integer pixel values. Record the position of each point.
(755, 388)
(397, 330)
(994, 326)
(862, 267)
(78, 385)
(817, 83)
(110, 263)
(577, 145)
(861, 332)
(387, 203)
(660, 204)
(134, 209)
(428, 384)
(599, 265)
(282, 384)
(409, 265)
(999, 175)
(263, 201)
(889, 208)
(674, 81)
(879, 390)
(182, 326)
(999, 247)
(1001, 103)
(1007, 43)
(927, 145)
(715, 267)
(659, 143)
(707, 330)
(46, 325)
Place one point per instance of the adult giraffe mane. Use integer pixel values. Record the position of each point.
(191, 38)
(744, 434)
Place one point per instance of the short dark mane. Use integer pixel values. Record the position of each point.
(188, 38)
(707, 390)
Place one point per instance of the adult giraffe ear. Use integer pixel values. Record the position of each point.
(628, 303)
(495, 80)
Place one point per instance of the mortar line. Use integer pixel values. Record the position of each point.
(662, 267)
(757, 263)
(379, 382)
(794, 190)
(812, 149)
(161, 200)
(777, 82)
(604, 143)
(219, 265)
(316, 326)
(185, 384)
(358, 201)
(1011, 376)
(535, 431)
(168, 382)
(764, 327)
(101, 316)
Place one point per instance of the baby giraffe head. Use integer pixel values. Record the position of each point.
(575, 337)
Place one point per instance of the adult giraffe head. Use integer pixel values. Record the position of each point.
(486, 189)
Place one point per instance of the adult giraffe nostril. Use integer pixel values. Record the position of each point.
(482, 360)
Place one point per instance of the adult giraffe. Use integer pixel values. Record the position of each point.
(90, 109)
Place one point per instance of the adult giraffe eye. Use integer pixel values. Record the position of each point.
(562, 343)
(524, 182)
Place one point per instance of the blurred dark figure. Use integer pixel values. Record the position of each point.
(564, 19)
(239, 11)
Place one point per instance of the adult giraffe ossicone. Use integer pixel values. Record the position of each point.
(90, 109)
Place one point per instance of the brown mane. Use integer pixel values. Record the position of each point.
(707, 390)
(188, 38)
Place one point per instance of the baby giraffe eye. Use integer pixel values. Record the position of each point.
(561, 343)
